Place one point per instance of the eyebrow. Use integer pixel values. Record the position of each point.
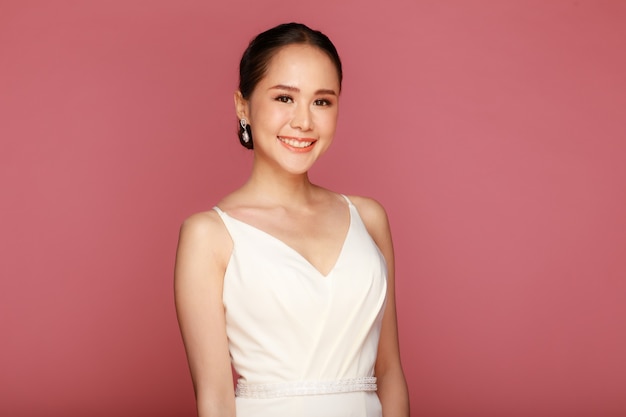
(297, 90)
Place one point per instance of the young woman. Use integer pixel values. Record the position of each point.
(292, 282)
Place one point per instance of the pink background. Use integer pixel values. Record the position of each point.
(493, 132)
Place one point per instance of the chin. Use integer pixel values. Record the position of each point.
(299, 165)
(298, 169)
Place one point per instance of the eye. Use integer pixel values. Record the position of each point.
(322, 102)
(284, 99)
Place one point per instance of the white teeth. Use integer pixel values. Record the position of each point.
(295, 143)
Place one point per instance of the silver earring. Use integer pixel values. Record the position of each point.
(244, 135)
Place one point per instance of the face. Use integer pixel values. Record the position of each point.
(293, 110)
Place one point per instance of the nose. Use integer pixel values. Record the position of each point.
(302, 119)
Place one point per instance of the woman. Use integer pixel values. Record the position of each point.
(292, 281)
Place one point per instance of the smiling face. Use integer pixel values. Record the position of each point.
(293, 109)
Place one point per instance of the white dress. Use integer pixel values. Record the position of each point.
(303, 344)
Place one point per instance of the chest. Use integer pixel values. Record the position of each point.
(317, 239)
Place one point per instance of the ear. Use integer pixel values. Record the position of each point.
(241, 106)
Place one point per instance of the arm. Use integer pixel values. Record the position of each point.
(203, 250)
(392, 388)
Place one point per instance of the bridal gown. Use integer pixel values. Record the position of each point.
(304, 344)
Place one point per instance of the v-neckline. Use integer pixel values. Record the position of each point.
(290, 248)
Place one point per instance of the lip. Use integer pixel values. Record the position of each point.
(285, 139)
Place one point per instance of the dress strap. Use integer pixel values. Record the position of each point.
(225, 218)
(222, 214)
(297, 388)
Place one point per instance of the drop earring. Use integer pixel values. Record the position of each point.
(244, 134)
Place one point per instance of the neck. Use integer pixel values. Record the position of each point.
(277, 187)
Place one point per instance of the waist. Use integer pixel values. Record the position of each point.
(295, 388)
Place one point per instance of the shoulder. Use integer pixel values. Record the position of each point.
(203, 224)
(205, 233)
(373, 215)
(370, 210)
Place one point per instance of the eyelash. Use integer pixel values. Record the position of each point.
(288, 99)
(284, 99)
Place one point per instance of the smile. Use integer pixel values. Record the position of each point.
(296, 143)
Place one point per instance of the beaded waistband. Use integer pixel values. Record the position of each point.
(289, 389)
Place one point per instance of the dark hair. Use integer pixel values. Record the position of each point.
(264, 46)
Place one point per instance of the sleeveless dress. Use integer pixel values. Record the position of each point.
(303, 344)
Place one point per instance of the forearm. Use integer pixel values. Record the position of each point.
(215, 408)
(393, 393)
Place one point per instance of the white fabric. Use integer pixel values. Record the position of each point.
(287, 389)
(288, 324)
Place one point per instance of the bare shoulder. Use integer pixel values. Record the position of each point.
(203, 225)
(205, 232)
(373, 215)
(370, 210)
